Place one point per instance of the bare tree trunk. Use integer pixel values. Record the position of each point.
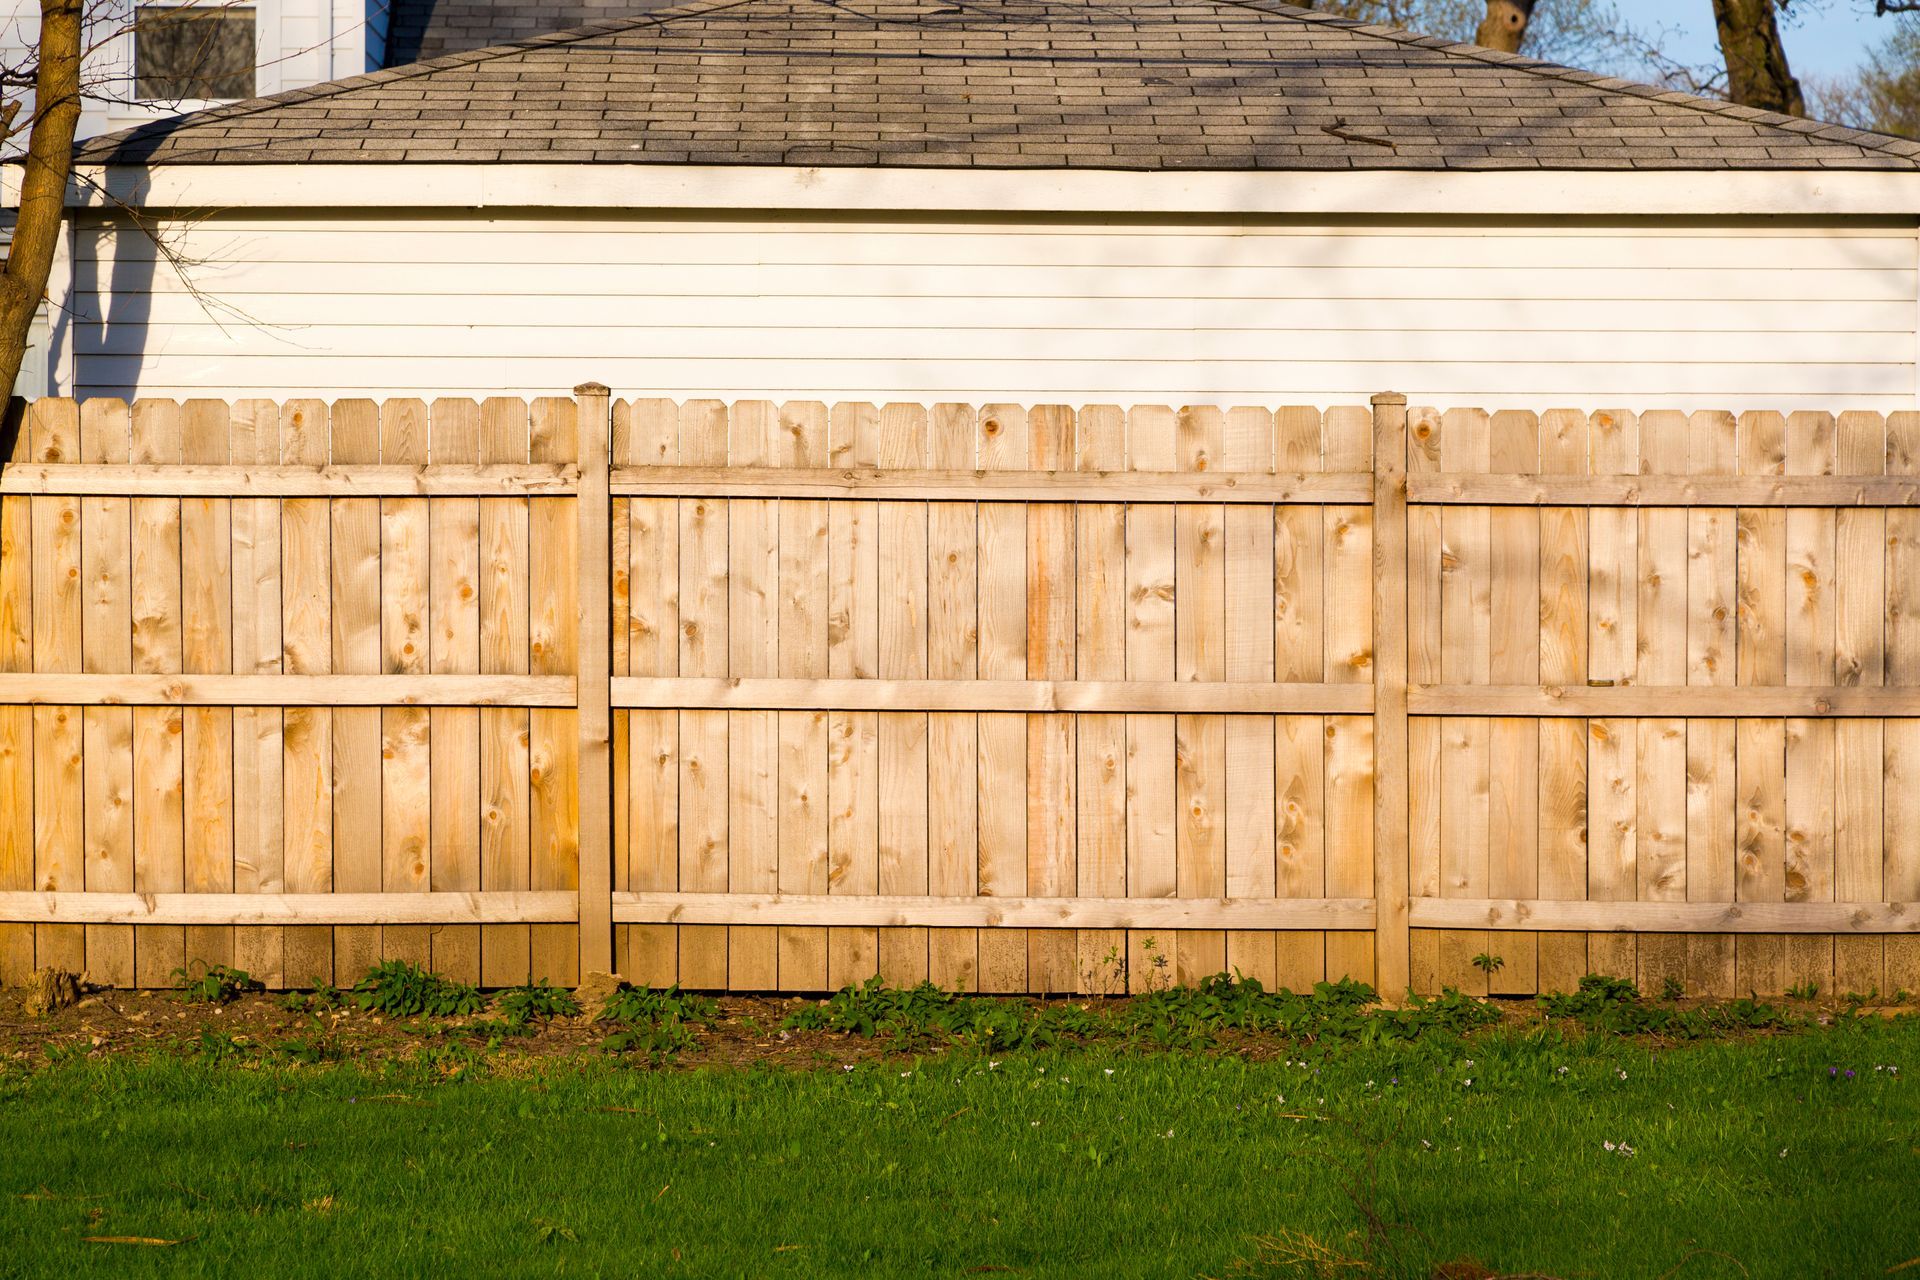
(1757, 73)
(1505, 26)
(43, 185)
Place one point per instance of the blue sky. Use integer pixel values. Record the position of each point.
(1828, 39)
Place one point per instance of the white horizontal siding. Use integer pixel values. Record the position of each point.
(1751, 314)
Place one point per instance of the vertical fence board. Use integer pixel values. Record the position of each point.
(506, 858)
(652, 641)
(1811, 745)
(1901, 813)
(106, 647)
(903, 745)
(16, 722)
(753, 592)
(1350, 656)
(1760, 540)
(1100, 653)
(355, 566)
(206, 556)
(1712, 648)
(1860, 603)
(1564, 536)
(804, 597)
(953, 779)
(306, 768)
(1513, 803)
(1052, 778)
(406, 776)
(1425, 629)
(1247, 542)
(1004, 445)
(1661, 782)
(553, 733)
(1151, 804)
(1200, 741)
(1466, 657)
(453, 648)
(1613, 812)
(259, 845)
(853, 652)
(1299, 605)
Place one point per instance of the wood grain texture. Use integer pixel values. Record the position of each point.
(1003, 443)
(1564, 538)
(553, 735)
(207, 646)
(505, 783)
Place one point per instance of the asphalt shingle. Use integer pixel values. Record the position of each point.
(1121, 84)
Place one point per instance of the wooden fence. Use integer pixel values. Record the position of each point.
(780, 697)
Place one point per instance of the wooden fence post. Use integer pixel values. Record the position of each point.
(1391, 858)
(593, 679)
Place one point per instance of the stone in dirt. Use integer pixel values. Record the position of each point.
(50, 989)
(594, 991)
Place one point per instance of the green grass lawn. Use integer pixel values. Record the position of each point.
(1792, 1155)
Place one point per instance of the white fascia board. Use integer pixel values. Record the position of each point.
(1807, 193)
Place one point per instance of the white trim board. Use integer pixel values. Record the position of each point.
(1373, 193)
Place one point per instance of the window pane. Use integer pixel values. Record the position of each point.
(202, 52)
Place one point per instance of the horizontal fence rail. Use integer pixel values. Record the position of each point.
(763, 697)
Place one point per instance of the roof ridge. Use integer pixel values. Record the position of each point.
(1803, 126)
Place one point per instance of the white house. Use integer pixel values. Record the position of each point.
(1199, 201)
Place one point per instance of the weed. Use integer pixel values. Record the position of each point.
(307, 1051)
(324, 997)
(1166, 1017)
(492, 1030)
(401, 990)
(1671, 988)
(450, 1061)
(1108, 975)
(1804, 991)
(536, 1000)
(1158, 977)
(214, 985)
(1489, 964)
(213, 1047)
(631, 1005)
(657, 1025)
(1614, 1005)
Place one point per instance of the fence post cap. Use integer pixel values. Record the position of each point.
(591, 389)
(1389, 397)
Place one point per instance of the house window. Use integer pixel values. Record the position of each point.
(193, 52)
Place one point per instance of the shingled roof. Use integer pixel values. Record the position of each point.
(1109, 84)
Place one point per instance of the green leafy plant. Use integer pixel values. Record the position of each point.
(401, 990)
(324, 997)
(541, 1001)
(215, 984)
(1671, 988)
(655, 1024)
(1613, 1005)
(1489, 964)
(1804, 991)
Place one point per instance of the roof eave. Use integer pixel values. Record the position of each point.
(1513, 192)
